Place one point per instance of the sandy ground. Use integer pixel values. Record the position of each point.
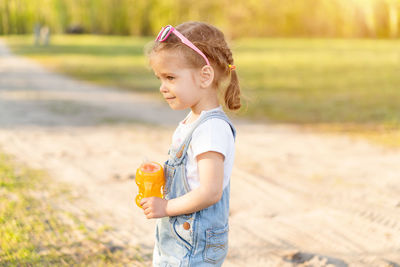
(297, 199)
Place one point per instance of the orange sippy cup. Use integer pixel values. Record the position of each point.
(150, 180)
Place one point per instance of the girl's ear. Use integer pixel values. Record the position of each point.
(206, 76)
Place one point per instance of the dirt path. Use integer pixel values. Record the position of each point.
(297, 197)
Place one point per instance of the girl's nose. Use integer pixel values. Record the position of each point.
(163, 88)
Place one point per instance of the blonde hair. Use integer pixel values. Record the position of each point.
(211, 41)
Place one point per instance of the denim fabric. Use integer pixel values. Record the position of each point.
(196, 239)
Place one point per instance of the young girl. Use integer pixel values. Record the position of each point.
(194, 65)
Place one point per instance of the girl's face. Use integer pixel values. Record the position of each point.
(179, 84)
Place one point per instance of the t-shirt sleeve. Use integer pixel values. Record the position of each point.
(212, 135)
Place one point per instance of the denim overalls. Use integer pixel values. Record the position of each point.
(196, 239)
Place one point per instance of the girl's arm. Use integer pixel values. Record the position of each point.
(211, 172)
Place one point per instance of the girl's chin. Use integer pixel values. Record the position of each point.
(176, 107)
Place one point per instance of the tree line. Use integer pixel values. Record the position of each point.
(238, 18)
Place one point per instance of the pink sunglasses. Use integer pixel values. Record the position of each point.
(167, 30)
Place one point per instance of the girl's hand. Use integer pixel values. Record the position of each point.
(154, 207)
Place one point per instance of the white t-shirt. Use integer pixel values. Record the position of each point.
(212, 135)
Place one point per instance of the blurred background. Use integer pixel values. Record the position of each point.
(255, 18)
(329, 63)
(330, 66)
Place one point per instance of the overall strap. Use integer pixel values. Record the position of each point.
(210, 115)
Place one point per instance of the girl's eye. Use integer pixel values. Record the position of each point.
(170, 78)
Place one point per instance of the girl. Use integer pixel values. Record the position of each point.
(194, 64)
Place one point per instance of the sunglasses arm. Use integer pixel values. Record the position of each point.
(189, 43)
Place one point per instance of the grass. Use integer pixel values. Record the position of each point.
(34, 232)
(322, 81)
(350, 83)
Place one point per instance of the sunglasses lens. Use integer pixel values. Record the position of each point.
(164, 33)
(159, 34)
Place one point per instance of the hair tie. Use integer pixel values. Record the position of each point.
(232, 67)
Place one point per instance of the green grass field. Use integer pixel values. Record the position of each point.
(34, 232)
(350, 84)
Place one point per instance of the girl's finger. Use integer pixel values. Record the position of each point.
(147, 211)
(143, 202)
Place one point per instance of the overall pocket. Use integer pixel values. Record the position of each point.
(216, 244)
(183, 228)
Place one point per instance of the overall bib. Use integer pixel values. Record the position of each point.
(196, 239)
